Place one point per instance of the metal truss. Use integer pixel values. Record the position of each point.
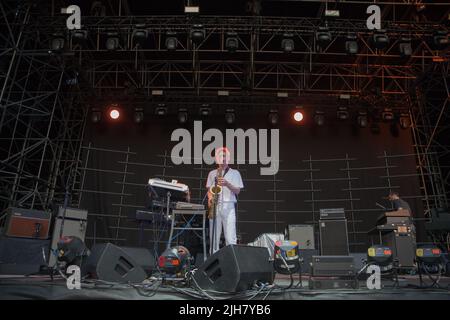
(259, 63)
(431, 129)
(41, 120)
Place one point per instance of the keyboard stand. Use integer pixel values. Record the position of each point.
(176, 212)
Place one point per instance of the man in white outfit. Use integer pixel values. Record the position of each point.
(231, 183)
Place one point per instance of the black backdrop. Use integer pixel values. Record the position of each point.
(123, 156)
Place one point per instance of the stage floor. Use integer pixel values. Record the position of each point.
(42, 287)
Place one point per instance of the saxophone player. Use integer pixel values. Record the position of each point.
(231, 184)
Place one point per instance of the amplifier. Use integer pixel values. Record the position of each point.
(332, 266)
(325, 284)
(333, 237)
(27, 223)
(303, 234)
(332, 214)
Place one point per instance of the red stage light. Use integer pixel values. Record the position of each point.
(298, 116)
(114, 114)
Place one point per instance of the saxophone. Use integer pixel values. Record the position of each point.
(215, 190)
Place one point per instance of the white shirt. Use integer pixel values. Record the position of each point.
(232, 176)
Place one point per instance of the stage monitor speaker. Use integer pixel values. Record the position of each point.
(235, 268)
(108, 262)
(143, 257)
(333, 237)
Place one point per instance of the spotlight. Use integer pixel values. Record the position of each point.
(171, 41)
(405, 47)
(72, 250)
(380, 39)
(138, 115)
(429, 255)
(96, 115)
(440, 39)
(380, 256)
(405, 121)
(175, 260)
(287, 44)
(112, 41)
(273, 117)
(387, 114)
(351, 44)
(232, 42)
(57, 42)
(140, 35)
(79, 36)
(323, 36)
(205, 110)
(298, 116)
(114, 113)
(342, 113)
(182, 116)
(230, 116)
(362, 119)
(197, 34)
(319, 117)
(286, 259)
(161, 110)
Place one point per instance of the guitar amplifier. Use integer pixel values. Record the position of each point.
(27, 223)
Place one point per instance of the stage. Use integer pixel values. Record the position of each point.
(43, 288)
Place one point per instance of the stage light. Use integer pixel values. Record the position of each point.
(139, 115)
(205, 110)
(57, 42)
(405, 47)
(381, 256)
(96, 115)
(79, 36)
(287, 44)
(342, 113)
(362, 119)
(319, 117)
(230, 116)
(286, 258)
(114, 113)
(171, 41)
(161, 110)
(429, 255)
(182, 116)
(380, 39)
(112, 41)
(175, 260)
(387, 114)
(298, 116)
(197, 34)
(351, 44)
(323, 37)
(72, 250)
(140, 35)
(405, 121)
(273, 117)
(232, 42)
(440, 39)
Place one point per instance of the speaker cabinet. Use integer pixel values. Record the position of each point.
(333, 237)
(110, 263)
(235, 268)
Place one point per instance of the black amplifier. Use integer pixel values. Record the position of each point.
(332, 214)
(333, 266)
(325, 284)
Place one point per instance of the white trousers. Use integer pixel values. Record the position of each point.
(226, 218)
